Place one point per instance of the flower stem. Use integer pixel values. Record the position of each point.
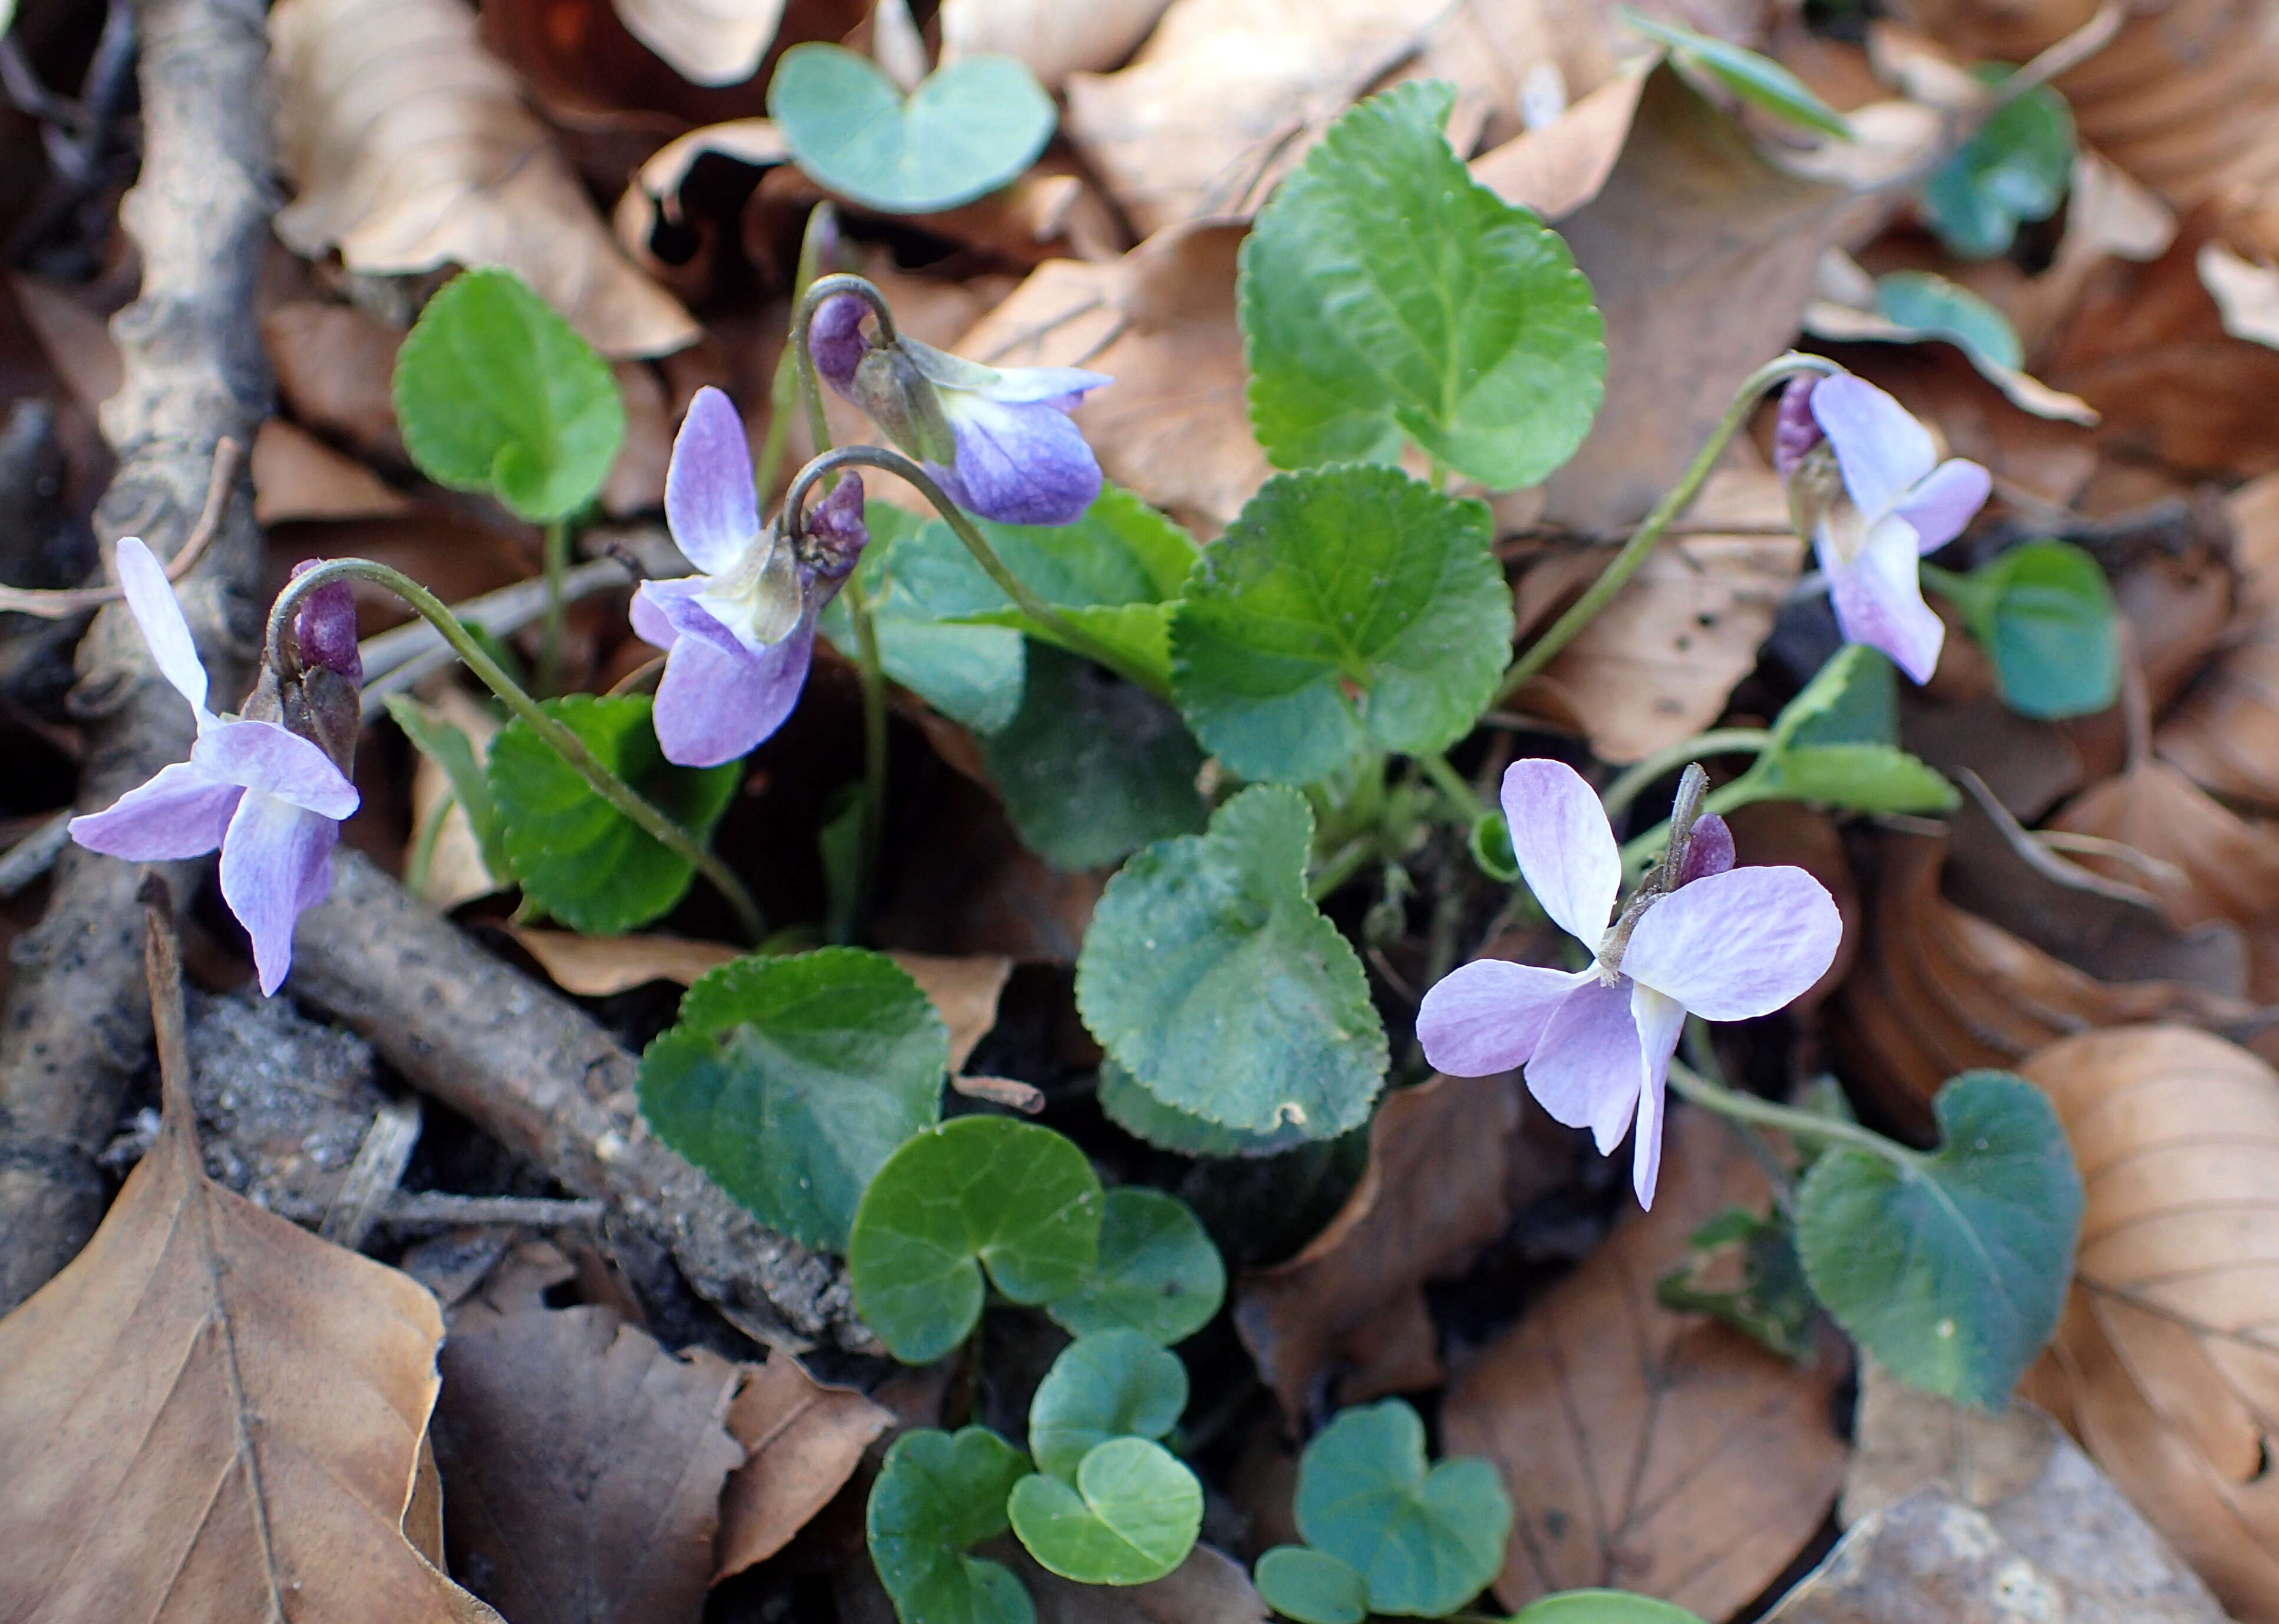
(1634, 551)
(1716, 741)
(1451, 783)
(784, 393)
(1730, 1102)
(1061, 628)
(556, 736)
(810, 384)
(1341, 866)
(550, 636)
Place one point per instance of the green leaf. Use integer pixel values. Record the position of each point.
(968, 128)
(1837, 744)
(1758, 80)
(1852, 699)
(1093, 768)
(1311, 1586)
(1951, 1269)
(1212, 978)
(1384, 292)
(1143, 1116)
(2045, 613)
(575, 856)
(1426, 1541)
(498, 393)
(1346, 607)
(1931, 306)
(1601, 1607)
(1158, 1273)
(1131, 1516)
(977, 1190)
(937, 1497)
(1862, 777)
(789, 1080)
(1771, 1300)
(449, 747)
(2017, 168)
(1114, 1385)
(972, 674)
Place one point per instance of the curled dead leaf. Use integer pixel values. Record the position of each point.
(2225, 731)
(803, 1440)
(707, 41)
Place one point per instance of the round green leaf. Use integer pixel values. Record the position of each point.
(1601, 1607)
(1143, 1116)
(1116, 1384)
(1312, 1587)
(1384, 292)
(1426, 1541)
(936, 1497)
(575, 855)
(977, 1190)
(1345, 607)
(497, 393)
(789, 1080)
(1951, 1269)
(1758, 80)
(1211, 977)
(1131, 1516)
(2017, 168)
(2045, 612)
(970, 128)
(1158, 1273)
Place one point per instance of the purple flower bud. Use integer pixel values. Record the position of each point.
(1794, 430)
(1708, 849)
(327, 627)
(834, 338)
(836, 535)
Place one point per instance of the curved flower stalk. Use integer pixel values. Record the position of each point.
(997, 440)
(1701, 936)
(740, 636)
(1867, 488)
(269, 787)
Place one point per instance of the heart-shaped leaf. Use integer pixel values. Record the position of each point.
(1116, 1384)
(1852, 699)
(1758, 80)
(2016, 168)
(1158, 1273)
(1311, 1586)
(1346, 607)
(1601, 1607)
(1384, 292)
(1210, 975)
(2045, 612)
(1426, 1541)
(970, 128)
(977, 1190)
(1932, 306)
(1835, 744)
(790, 1081)
(937, 1497)
(1950, 1267)
(971, 674)
(1131, 1516)
(577, 856)
(497, 393)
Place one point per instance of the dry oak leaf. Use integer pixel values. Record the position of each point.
(2166, 1364)
(410, 148)
(803, 1440)
(1353, 1299)
(1645, 1450)
(213, 1414)
(707, 41)
(2225, 731)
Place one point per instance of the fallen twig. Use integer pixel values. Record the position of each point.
(60, 603)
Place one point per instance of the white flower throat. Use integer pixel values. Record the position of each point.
(759, 597)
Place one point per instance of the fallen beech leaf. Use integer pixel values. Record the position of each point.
(411, 149)
(707, 41)
(1558, 167)
(1054, 38)
(2165, 1365)
(1645, 1450)
(582, 1466)
(1354, 1298)
(2225, 731)
(802, 1441)
(213, 1414)
(1659, 662)
(334, 363)
(295, 475)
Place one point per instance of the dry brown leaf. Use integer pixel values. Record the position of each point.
(213, 1414)
(334, 364)
(1557, 167)
(1769, 833)
(2166, 1365)
(1353, 1302)
(1055, 37)
(1209, 1588)
(1659, 662)
(2246, 295)
(411, 149)
(295, 475)
(2225, 731)
(582, 1467)
(803, 1440)
(456, 871)
(1645, 1449)
(707, 41)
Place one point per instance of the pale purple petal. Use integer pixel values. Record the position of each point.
(1737, 944)
(713, 707)
(150, 599)
(665, 612)
(1708, 849)
(1587, 1065)
(1019, 385)
(710, 502)
(266, 756)
(1485, 1017)
(834, 339)
(1878, 600)
(1566, 850)
(1019, 465)
(180, 812)
(1944, 502)
(276, 860)
(1659, 1021)
(1881, 449)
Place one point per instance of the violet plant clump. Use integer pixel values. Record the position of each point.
(269, 787)
(1700, 936)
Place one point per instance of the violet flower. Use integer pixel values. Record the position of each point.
(997, 440)
(739, 637)
(1866, 485)
(269, 797)
(1727, 944)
